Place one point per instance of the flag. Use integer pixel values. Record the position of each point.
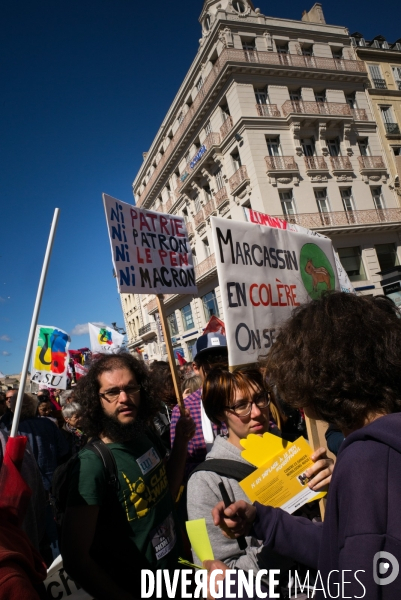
(215, 325)
(80, 370)
(104, 339)
(181, 359)
(50, 357)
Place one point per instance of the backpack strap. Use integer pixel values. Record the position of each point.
(109, 462)
(226, 468)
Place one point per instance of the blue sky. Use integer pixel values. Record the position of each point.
(85, 86)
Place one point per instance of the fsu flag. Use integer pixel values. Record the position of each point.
(50, 357)
(104, 339)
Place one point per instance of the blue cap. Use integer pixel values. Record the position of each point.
(210, 341)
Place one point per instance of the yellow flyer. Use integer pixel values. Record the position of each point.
(281, 481)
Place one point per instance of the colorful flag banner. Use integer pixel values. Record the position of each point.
(105, 340)
(50, 357)
(80, 370)
(151, 250)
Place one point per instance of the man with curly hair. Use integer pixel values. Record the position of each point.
(339, 358)
(109, 535)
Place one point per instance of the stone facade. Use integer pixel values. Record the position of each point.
(272, 115)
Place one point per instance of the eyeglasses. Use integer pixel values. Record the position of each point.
(244, 408)
(114, 394)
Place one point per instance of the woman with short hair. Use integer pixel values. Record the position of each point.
(71, 428)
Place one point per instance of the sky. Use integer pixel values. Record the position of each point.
(84, 88)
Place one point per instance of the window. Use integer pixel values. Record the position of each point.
(288, 205)
(219, 179)
(210, 305)
(296, 95)
(225, 111)
(187, 319)
(307, 52)
(206, 23)
(208, 128)
(273, 146)
(191, 349)
(206, 247)
(364, 147)
(351, 100)
(390, 124)
(172, 324)
(348, 204)
(199, 84)
(198, 206)
(337, 53)
(262, 96)
(397, 150)
(208, 193)
(187, 157)
(283, 56)
(180, 118)
(239, 6)
(334, 147)
(351, 260)
(377, 198)
(194, 257)
(236, 160)
(397, 77)
(308, 146)
(323, 206)
(250, 51)
(387, 256)
(377, 77)
(320, 96)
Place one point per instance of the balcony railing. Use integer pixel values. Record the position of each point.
(315, 163)
(221, 196)
(316, 108)
(199, 218)
(209, 208)
(231, 54)
(213, 139)
(281, 163)
(226, 127)
(209, 264)
(268, 110)
(371, 162)
(148, 328)
(190, 228)
(343, 218)
(239, 177)
(340, 163)
(380, 84)
(398, 84)
(359, 114)
(392, 128)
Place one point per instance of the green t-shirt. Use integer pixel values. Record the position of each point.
(137, 527)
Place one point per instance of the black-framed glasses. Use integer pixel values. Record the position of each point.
(114, 394)
(243, 408)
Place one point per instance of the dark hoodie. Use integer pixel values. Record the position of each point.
(363, 517)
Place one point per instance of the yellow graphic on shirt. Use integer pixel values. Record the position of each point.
(139, 498)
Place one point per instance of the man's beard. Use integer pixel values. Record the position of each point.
(116, 431)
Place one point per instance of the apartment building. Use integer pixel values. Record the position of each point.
(273, 114)
(383, 61)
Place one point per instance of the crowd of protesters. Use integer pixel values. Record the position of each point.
(136, 465)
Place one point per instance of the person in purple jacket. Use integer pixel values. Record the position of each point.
(339, 358)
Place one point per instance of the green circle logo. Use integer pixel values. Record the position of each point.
(316, 271)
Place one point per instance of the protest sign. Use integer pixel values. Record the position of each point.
(50, 357)
(59, 585)
(264, 273)
(151, 251)
(104, 340)
(262, 219)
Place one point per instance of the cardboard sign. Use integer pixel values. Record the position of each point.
(151, 251)
(50, 357)
(264, 273)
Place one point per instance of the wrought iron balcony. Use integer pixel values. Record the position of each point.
(336, 109)
(340, 163)
(221, 196)
(239, 177)
(371, 162)
(205, 268)
(147, 330)
(359, 114)
(209, 208)
(392, 128)
(315, 163)
(268, 110)
(226, 127)
(380, 84)
(342, 218)
(281, 163)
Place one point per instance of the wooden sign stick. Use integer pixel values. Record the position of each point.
(170, 352)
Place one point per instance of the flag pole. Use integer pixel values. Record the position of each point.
(39, 295)
(170, 351)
